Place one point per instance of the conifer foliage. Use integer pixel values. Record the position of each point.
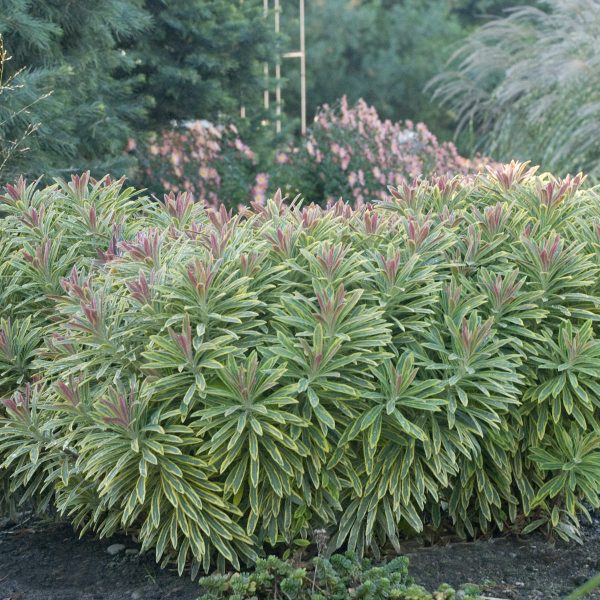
(73, 56)
(112, 70)
(222, 383)
(203, 58)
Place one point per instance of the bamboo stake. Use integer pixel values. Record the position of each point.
(302, 70)
(278, 71)
(266, 64)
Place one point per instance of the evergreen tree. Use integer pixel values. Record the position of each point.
(204, 57)
(71, 83)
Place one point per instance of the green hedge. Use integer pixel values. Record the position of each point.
(224, 383)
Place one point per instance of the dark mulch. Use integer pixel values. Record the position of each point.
(47, 561)
(528, 568)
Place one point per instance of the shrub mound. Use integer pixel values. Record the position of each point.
(223, 383)
(211, 163)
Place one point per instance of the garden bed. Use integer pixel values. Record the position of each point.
(47, 561)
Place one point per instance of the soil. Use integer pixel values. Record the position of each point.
(527, 568)
(47, 561)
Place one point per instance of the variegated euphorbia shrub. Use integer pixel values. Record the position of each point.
(221, 383)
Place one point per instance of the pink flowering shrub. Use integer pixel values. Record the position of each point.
(211, 163)
(351, 153)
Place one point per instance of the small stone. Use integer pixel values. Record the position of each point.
(136, 595)
(131, 551)
(579, 579)
(519, 584)
(513, 555)
(114, 549)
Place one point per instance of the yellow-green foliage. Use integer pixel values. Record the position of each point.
(221, 383)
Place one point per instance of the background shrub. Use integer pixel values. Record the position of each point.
(222, 383)
(349, 153)
(210, 162)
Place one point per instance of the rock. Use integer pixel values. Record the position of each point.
(131, 552)
(136, 595)
(579, 579)
(114, 549)
(519, 584)
(513, 555)
(532, 568)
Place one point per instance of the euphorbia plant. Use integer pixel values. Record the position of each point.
(222, 382)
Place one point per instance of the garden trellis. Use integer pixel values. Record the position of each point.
(296, 54)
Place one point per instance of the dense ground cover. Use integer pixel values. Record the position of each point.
(222, 383)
